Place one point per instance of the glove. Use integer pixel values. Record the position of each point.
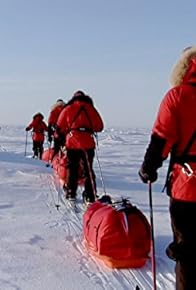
(27, 129)
(147, 176)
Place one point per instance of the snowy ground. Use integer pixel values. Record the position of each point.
(42, 247)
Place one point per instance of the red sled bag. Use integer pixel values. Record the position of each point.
(59, 162)
(47, 155)
(120, 236)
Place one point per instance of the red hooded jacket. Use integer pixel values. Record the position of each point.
(38, 126)
(176, 123)
(78, 121)
(54, 113)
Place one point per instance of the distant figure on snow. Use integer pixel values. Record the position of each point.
(39, 127)
(174, 133)
(78, 122)
(52, 120)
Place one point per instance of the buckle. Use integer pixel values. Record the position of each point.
(186, 169)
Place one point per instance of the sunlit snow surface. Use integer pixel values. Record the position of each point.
(42, 247)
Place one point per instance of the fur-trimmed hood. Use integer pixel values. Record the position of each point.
(81, 98)
(184, 70)
(59, 103)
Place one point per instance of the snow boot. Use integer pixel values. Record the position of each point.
(87, 199)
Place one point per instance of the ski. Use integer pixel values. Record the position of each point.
(72, 204)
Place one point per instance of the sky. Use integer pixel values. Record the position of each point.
(43, 248)
(119, 52)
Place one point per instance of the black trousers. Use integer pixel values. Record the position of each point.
(183, 222)
(74, 160)
(38, 149)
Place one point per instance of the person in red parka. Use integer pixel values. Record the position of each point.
(174, 133)
(52, 120)
(78, 122)
(39, 127)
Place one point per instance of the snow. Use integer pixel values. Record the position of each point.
(42, 247)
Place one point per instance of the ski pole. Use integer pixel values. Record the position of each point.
(59, 183)
(26, 144)
(153, 261)
(90, 173)
(102, 181)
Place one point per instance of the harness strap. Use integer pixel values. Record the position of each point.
(38, 131)
(82, 129)
(184, 158)
(188, 146)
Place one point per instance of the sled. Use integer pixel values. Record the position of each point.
(47, 155)
(118, 234)
(58, 164)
